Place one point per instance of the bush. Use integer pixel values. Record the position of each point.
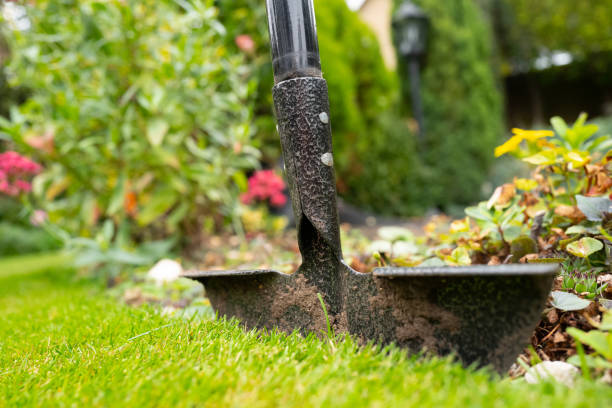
(463, 111)
(18, 240)
(370, 158)
(18, 232)
(138, 113)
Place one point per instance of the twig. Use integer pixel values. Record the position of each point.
(550, 333)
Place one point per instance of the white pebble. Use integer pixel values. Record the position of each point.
(560, 371)
(165, 271)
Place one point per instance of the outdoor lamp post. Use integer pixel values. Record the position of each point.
(410, 28)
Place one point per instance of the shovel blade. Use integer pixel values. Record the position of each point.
(265, 299)
(482, 314)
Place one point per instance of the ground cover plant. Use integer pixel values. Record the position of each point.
(64, 342)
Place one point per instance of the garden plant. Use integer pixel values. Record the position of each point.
(146, 99)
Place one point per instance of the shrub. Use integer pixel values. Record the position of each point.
(18, 239)
(373, 149)
(463, 111)
(138, 113)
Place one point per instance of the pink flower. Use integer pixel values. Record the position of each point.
(265, 185)
(15, 170)
(38, 218)
(23, 186)
(278, 200)
(245, 43)
(42, 142)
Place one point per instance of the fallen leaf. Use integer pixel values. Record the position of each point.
(502, 196)
(568, 301)
(494, 261)
(529, 258)
(552, 316)
(569, 211)
(559, 338)
(584, 247)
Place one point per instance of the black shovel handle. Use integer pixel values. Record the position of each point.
(293, 38)
(302, 112)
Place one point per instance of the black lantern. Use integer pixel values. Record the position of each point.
(410, 29)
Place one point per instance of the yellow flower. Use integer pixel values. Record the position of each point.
(518, 136)
(525, 184)
(532, 135)
(511, 145)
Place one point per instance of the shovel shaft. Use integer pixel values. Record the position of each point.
(293, 38)
(303, 123)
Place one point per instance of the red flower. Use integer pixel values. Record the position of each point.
(265, 185)
(14, 173)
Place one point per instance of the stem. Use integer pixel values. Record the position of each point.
(501, 234)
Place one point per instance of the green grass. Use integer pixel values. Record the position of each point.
(64, 343)
(23, 265)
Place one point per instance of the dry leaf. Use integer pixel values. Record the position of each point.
(559, 338)
(494, 261)
(571, 212)
(502, 196)
(552, 316)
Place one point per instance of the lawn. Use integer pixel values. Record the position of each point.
(64, 342)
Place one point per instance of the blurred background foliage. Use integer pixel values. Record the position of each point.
(579, 27)
(138, 113)
(461, 101)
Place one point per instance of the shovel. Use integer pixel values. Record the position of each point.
(481, 314)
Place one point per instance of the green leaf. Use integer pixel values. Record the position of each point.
(512, 232)
(559, 126)
(479, 213)
(592, 362)
(576, 229)
(178, 214)
(568, 301)
(395, 234)
(117, 199)
(161, 202)
(584, 247)
(544, 158)
(581, 120)
(108, 230)
(459, 256)
(241, 180)
(156, 130)
(432, 262)
(594, 207)
(128, 258)
(599, 341)
(606, 321)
